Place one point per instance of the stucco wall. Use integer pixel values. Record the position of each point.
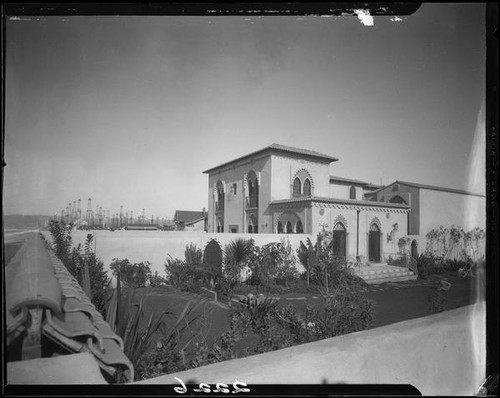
(342, 191)
(347, 214)
(411, 195)
(197, 226)
(234, 205)
(445, 208)
(442, 354)
(153, 246)
(283, 172)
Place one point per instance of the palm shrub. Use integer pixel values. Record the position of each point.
(236, 255)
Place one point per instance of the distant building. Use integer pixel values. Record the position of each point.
(190, 220)
(141, 227)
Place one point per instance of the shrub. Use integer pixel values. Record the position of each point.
(273, 264)
(77, 264)
(401, 261)
(157, 281)
(236, 255)
(168, 354)
(427, 264)
(212, 260)
(178, 273)
(132, 275)
(189, 275)
(324, 267)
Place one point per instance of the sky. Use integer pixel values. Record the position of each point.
(131, 110)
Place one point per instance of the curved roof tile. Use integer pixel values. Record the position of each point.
(36, 277)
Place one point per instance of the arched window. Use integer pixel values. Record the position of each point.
(280, 227)
(297, 188)
(289, 229)
(307, 187)
(352, 192)
(220, 196)
(253, 190)
(299, 229)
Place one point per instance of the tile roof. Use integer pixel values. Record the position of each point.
(142, 227)
(277, 148)
(340, 201)
(436, 188)
(187, 217)
(36, 278)
(430, 187)
(347, 180)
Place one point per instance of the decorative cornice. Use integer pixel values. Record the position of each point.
(345, 204)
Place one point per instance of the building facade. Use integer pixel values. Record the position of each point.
(280, 189)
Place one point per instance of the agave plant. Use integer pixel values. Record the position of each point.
(128, 321)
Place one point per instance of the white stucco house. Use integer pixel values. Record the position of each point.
(284, 190)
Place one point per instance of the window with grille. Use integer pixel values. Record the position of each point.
(307, 187)
(297, 187)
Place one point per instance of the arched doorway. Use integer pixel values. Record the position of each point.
(414, 249)
(280, 227)
(289, 229)
(339, 240)
(299, 228)
(374, 243)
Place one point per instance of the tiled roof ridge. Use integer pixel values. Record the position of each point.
(437, 188)
(70, 318)
(344, 179)
(277, 147)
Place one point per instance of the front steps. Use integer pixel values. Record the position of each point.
(382, 273)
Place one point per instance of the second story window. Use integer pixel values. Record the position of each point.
(297, 187)
(220, 197)
(307, 187)
(253, 190)
(352, 193)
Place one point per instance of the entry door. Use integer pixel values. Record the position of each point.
(374, 244)
(414, 249)
(339, 240)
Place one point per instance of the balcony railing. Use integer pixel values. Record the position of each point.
(252, 202)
